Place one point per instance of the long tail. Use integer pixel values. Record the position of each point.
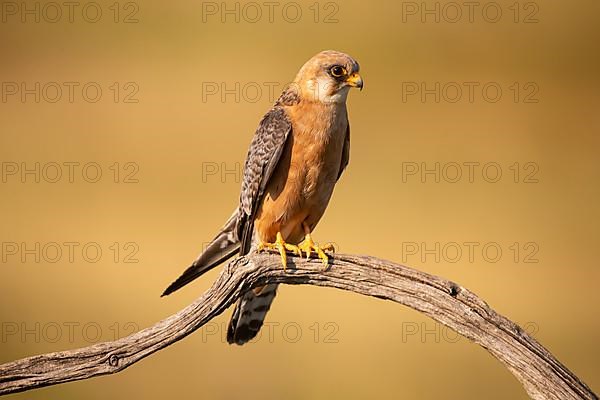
(249, 314)
(223, 246)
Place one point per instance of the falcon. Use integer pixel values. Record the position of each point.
(297, 155)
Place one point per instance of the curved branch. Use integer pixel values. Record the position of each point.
(542, 375)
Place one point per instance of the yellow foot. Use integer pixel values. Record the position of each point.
(281, 247)
(308, 246)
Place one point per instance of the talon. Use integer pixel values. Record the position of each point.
(329, 247)
(281, 247)
(308, 246)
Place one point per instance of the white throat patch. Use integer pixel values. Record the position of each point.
(321, 89)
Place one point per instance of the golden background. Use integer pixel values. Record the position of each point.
(176, 136)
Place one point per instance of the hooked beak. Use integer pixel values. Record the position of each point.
(355, 80)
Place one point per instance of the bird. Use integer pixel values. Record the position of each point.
(297, 155)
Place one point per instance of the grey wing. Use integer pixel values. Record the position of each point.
(263, 156)
(345, 153)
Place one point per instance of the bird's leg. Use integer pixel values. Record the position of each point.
(308, 246)
(280, 246)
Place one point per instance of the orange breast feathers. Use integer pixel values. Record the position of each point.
(305, 176)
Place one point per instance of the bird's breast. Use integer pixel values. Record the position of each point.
(316, 150)
(303, 181)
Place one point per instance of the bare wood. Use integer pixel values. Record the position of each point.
(542, 375)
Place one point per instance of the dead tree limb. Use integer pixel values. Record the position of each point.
(542, 375)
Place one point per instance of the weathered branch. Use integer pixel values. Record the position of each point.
(542, 375)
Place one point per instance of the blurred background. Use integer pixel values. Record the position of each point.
(474, 156)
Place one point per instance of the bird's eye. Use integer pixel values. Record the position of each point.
(338, 71)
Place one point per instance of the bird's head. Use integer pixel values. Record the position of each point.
(328, 77)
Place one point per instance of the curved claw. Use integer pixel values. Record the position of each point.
(309, 246)
(329, 247)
